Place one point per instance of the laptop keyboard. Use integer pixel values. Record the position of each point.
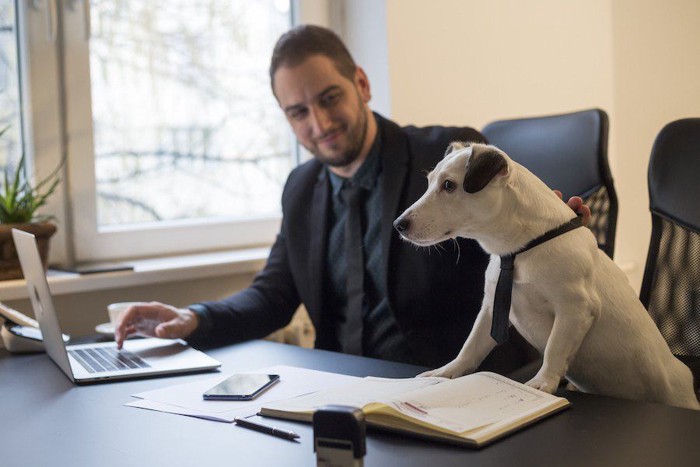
(101, 359)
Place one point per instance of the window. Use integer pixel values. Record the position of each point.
(173, 138)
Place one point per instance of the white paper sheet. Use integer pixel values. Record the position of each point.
(186, 399)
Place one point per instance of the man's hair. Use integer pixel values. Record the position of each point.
(301, 42)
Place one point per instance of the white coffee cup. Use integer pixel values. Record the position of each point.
(115, 309)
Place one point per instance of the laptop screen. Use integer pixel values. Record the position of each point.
(40, 296)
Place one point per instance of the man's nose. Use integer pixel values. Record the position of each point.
(320, 120)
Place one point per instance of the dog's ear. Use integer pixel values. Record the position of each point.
(454, 146)
(482, 167)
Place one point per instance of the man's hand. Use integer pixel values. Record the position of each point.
(576, 204)
(156, 320)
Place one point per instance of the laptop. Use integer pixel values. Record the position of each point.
(100, 361)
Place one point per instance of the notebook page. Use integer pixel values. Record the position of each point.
(470, 402)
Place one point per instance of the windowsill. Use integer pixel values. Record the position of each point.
(147, 272)
(162, 270)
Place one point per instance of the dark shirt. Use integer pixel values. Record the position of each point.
(381, 335)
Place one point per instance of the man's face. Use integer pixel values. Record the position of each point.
(327, 111)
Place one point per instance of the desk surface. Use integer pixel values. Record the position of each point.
(45, 420)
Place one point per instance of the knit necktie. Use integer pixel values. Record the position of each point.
(355, 261)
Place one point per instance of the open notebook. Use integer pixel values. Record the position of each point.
(472, 410)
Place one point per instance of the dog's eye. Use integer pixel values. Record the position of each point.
(449, 186)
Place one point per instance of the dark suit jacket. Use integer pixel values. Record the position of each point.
(434, 294)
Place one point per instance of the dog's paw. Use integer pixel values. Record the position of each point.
(544, 384)
(451, 370)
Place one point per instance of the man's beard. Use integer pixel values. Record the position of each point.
(356, 140)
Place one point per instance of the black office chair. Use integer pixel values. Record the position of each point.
(671, 285)
(569, 152)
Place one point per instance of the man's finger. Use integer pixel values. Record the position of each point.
(577, 205)
(585, 212)
(118, 338)
(126, 321)
(120, 329)
(120, 335)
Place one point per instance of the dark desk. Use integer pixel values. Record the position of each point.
(46, 421)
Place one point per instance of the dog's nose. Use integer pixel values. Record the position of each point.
(401, 224)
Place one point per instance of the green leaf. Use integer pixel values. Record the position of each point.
(19, 200)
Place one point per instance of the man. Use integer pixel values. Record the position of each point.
(413, 305)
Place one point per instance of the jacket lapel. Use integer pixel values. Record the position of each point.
(394, 168)
(318, 241)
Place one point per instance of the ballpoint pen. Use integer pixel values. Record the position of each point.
(270, 430)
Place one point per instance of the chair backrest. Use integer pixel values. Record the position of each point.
(569, 152)
(671, 284)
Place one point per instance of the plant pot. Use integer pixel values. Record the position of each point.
(9, 262)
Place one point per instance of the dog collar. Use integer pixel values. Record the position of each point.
(504, 287)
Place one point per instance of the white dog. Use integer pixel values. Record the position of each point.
(569, 300)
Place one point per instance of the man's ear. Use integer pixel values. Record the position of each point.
(454, 146)
(482, 167)
(362, 84)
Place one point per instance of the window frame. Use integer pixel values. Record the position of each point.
(42, 131)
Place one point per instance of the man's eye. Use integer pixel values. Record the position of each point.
(330, 99)
(449, 186)
(297, 114)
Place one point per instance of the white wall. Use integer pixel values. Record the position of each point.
(468, 62)
(473, 61)
(657, 80)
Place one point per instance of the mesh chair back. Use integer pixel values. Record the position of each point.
(569, 152)
(671, 284)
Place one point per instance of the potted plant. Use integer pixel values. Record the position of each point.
(19, 202)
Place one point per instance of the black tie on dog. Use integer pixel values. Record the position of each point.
(504, 287)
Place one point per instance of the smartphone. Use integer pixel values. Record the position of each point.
(241, 387)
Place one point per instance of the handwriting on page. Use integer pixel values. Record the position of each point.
(464, 404)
